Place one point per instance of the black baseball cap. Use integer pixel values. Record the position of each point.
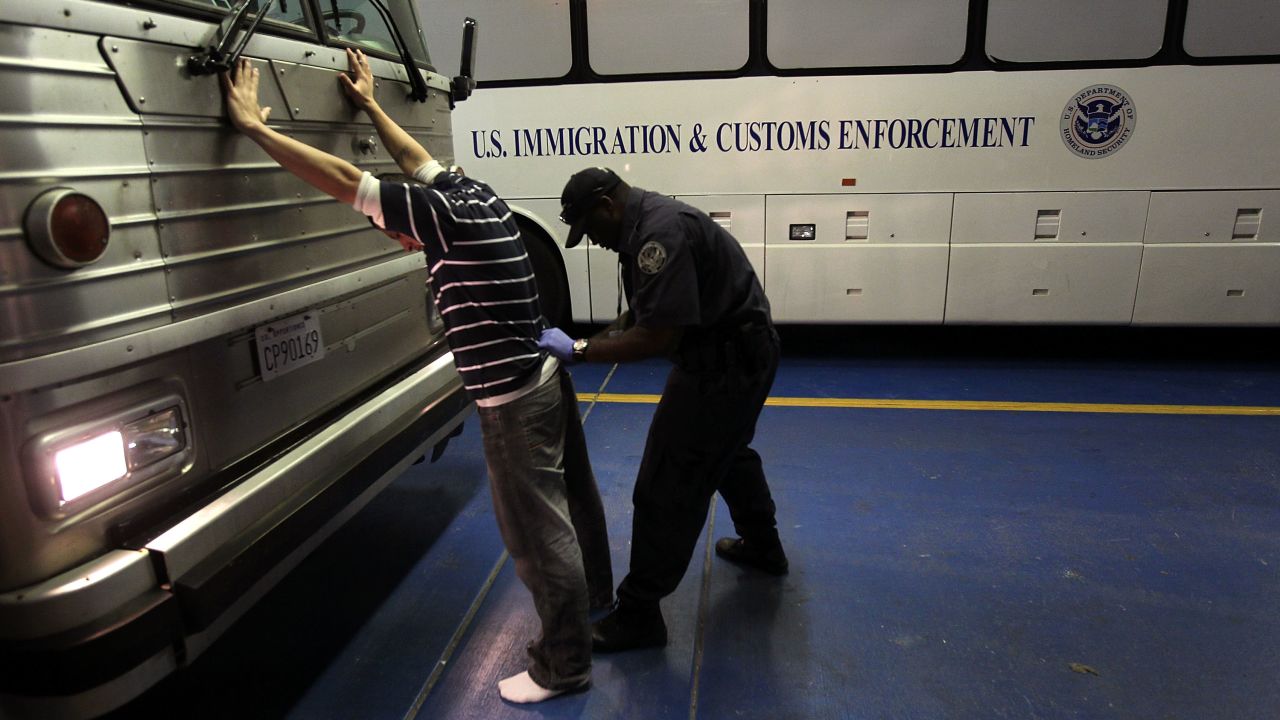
(580, 194)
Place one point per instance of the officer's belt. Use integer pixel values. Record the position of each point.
(721, 348)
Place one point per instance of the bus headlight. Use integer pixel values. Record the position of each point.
(88, 462)
(87, 466)
(154, 438)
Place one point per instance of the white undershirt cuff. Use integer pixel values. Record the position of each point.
(369, 199)
(427, 172)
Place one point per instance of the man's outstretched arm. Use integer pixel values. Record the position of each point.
(330, 174)
(408, 153)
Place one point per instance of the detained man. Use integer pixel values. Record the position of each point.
(545, 498)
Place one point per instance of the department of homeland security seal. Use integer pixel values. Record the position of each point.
(652, 257)
(1098, 121)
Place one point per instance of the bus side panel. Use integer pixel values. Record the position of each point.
(236, 227)
(1210, 259)
(872, 258)
(1199, 129)
(233, 225)
(1176, 143)
(366, 336)
(1046, 257)
(63, 123)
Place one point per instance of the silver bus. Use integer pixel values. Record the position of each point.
(206, 365)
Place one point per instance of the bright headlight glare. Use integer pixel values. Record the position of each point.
(154, 437)
(87, 466)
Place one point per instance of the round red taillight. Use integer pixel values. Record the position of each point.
(67, 229)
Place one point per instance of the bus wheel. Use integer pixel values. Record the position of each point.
(548, 270)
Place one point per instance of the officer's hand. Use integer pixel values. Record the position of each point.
(554, 341)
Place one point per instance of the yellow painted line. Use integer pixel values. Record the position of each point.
(977, 405)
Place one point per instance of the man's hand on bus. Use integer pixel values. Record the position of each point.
(330, 174)
(242, 97)
(360, 90)
(407, 152)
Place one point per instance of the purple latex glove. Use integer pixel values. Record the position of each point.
(554, 341)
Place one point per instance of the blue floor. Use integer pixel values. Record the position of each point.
(945, 563)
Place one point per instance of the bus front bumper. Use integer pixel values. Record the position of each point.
(89, 640)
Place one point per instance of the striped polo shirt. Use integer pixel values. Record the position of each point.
(481, 276)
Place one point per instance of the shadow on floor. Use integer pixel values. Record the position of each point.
(273, 654)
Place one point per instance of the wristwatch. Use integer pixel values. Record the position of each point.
(580, 349)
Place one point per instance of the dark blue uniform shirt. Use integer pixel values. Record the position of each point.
(682, 270)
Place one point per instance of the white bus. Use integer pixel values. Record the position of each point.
(914, 161)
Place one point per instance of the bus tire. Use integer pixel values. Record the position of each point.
(548, 270)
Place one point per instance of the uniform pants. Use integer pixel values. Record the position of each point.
(698, 444)
(552, 521)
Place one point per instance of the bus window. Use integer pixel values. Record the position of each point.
(1232, 28)
(292, 12)
(866, 33)
(675, 36)
(1082, 31)
(522, 41)
(359, 23)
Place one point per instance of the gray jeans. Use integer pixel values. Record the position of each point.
(552, 522)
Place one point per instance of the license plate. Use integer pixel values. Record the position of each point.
(286, 345)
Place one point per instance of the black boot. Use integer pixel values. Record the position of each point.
(770, 559)
(628, 629)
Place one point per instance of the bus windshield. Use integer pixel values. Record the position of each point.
(290, 12)
(357, 22)
(354, 22)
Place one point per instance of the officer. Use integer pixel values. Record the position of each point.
(693, 297)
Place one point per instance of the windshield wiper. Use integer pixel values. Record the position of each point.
(419, 92)
(219, 56)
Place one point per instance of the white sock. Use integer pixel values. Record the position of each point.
(522, 689)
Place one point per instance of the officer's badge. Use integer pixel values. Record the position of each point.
(651, 257)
